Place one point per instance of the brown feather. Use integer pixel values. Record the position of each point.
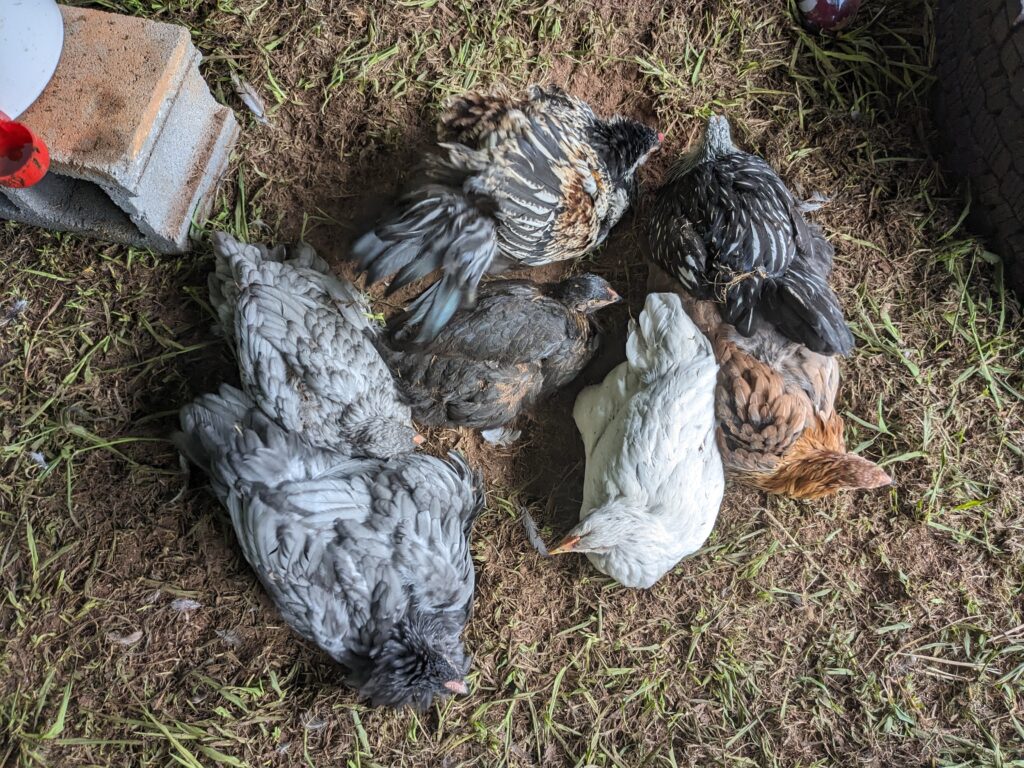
(472, 116)
(578, 218)
(775, 403)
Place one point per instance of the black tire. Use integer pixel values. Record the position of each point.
(979, 111)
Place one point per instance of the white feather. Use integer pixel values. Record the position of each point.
(649, 434)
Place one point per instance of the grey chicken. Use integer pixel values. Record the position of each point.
(306, 349)
(521, 342)
(367, 558)
(728, 229)
(518, 182)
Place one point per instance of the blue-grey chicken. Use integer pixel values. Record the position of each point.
(520, 182)
(728, 229)
(367, 558)
(520, 343)
(306, 349)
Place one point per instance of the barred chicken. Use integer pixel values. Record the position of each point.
(653, 482)
(368, 559)
(306, 349)
(521, 342)
(775, 403)
(728, 229)
(521, 182)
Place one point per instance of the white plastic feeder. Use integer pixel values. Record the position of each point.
(31, 39)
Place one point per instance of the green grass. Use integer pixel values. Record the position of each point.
(878, 629)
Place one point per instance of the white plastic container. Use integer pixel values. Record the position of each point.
(31, 39)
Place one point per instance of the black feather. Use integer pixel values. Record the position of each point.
(803, 308)
(760, 258)
(524, 190)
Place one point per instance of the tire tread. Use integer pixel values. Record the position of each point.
(979, 109)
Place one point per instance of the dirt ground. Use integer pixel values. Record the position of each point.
(874, 629)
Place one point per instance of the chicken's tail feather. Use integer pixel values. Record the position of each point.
(663, 337)
(804, 308)
(438, 228)
(233, 442)
(209, 427)
(237, 263)
(229, 253)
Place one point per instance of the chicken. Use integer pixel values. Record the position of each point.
(366, 558)
(521, 342)
(775, 402)
(653, 481)
(306, 349)
(727, 228)
(519, 182)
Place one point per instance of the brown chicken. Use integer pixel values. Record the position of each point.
(778, 429)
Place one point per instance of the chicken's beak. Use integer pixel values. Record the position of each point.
(568, 544)
(457, 686)
(610, 297)
(418, 440)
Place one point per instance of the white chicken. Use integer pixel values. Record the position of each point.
(654, 479)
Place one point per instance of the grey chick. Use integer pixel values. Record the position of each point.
(367, 558)
(520, 343)
(305, 348)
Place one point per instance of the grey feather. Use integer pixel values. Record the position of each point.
(251, 99)
(533, 532)
(305, 348)
(369, 559)
(520, 342)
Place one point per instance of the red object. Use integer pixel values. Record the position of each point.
(24, 158)
(828, 15)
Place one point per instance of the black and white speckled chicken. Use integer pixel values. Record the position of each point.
(367, 558)
(728, 229)
(519, 182)
(521, 342)
(306, 349)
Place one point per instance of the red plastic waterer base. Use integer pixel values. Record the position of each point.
(24, 158)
